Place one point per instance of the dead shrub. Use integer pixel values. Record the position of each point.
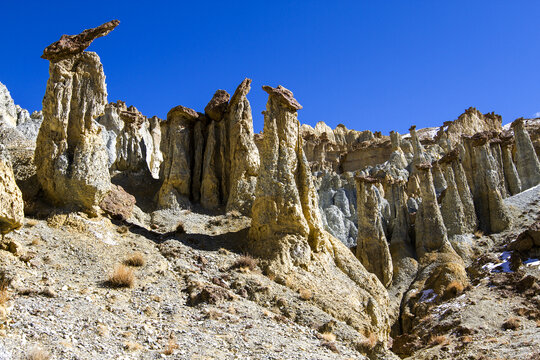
(511, 324)
(171, 346)
(38, 354)
(478, 234)
(439, 340)
(305, 294)
(136, 259)
(121, 277)
(245, 263)
(453, 289)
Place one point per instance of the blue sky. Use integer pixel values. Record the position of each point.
(377, 65)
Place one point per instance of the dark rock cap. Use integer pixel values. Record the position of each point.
(423, 166)
(218, 105)
(183, 112)
(449, 157)
(367, 179)
(284, 95)
(70, 45)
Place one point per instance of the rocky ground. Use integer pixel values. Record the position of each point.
(194, 299)
(60, 301)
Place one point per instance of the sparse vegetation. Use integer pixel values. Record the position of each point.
(478, 234)
(305, 294)
(511, 324)
(135, 259)
(38, 354)
(121, 277)
(245, 263)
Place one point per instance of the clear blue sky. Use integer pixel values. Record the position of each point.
(377, 65)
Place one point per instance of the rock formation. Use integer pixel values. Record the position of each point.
(287, 232)
(491, 211)
(243, 156)
(337, 203)
(469, 123)
(71, 160)
(177, 146)
(510, 172)
(372, 247)
(527, 163)
(431, 233)
(457, 207)
(11, 200)
(220, 172)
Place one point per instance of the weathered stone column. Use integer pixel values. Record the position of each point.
(431, 234)
(488, 201)
(71, 159)
(510, 172)
(177, 146)
(243, 153)
(527, 163)
(452, 208)
(397, 158)
(372, 247)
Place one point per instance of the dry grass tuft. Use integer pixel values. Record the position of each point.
(35, 241)
(38, 354)
(453, 289)
(305, 294)
(135, 259)
(439, 340)
(511, 324)
(122, 276)
(122, 229)
(466, 339)
(478, 234)
(328, 336)
(132, 346)
(171, 346)
(246, 263)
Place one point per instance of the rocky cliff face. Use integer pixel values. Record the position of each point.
(71, 160)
